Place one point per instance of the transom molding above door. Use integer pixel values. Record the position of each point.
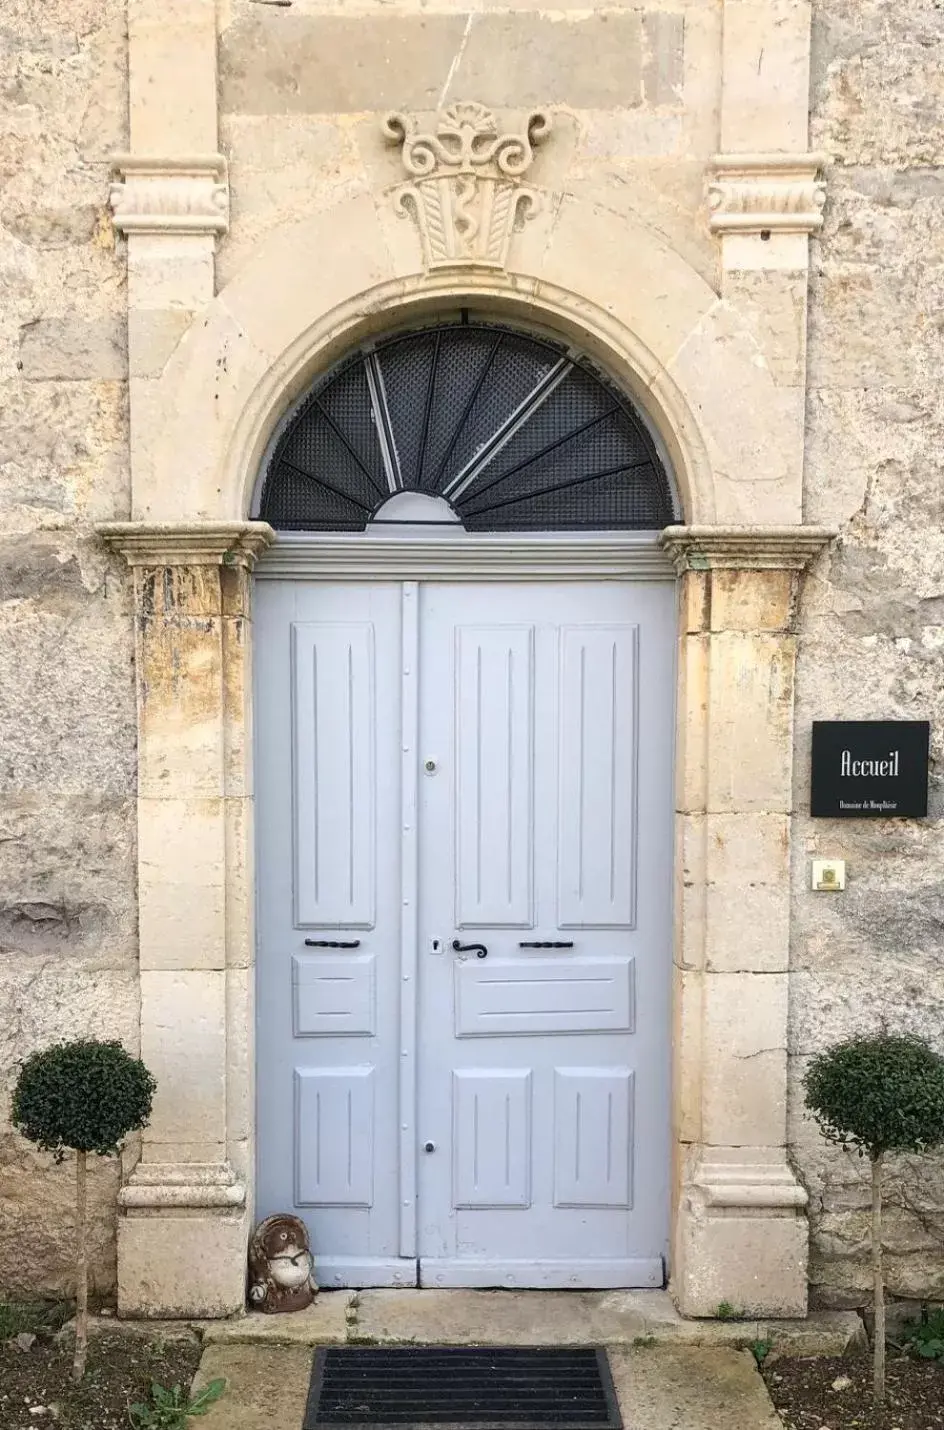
(461, 557)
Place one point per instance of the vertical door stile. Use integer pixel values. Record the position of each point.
(409, 890)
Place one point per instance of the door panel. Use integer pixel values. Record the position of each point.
(492, 1137)
(334, 996)
(592, 1137)
(334, 1137)
(548, 709)
(596, 864)
(494, 710)
(502, 996)
(334, 729)
(327, 680)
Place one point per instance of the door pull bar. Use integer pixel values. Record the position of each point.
(478, 949)
(548, 943)
(330, 943)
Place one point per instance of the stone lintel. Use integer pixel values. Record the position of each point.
(170, 194)
(744, 548)
(204, 543)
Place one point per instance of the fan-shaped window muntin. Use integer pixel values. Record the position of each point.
(514, 432)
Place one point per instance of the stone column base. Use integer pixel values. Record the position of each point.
(742, 1240)
(182, 1244)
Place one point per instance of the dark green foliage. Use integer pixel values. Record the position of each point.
(85, 1095)
(760, 1350)
(878, 1094)
(926, 1338)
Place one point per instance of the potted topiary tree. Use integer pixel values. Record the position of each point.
(878, 1094)
(85, 1097)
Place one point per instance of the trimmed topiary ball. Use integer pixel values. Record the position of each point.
(85, 1096)
(878, 1094)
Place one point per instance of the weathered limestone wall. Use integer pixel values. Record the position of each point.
(67, 721)
(872, 627)
(634, 91)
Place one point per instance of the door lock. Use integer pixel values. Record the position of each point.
(429, 1146)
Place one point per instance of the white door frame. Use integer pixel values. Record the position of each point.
(411, 557)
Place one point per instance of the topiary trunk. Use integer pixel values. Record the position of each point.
(878, 1284)
(81, 1266)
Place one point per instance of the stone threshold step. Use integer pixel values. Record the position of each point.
(460, 1317)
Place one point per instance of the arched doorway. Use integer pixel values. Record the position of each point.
(464, 693)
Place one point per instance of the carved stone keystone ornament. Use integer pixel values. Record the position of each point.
(281, 1267)
(465, 189)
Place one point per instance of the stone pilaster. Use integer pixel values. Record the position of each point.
(170, 200)
(184, 1212)
(740, 1233)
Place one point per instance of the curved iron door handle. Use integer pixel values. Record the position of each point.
(478, 949)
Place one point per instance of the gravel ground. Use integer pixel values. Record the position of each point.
(835, 1393)
(37, 1390)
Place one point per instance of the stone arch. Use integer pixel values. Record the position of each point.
(312, 291)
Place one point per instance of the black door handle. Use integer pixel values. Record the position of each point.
(549, 943)
(478, 949)
(330, 943)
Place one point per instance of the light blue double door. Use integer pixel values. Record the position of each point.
(463, 798)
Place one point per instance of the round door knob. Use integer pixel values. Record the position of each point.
(429, 1147)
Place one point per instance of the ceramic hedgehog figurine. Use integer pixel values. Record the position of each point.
(281, 1267)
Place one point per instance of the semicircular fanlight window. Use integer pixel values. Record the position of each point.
(513, 432)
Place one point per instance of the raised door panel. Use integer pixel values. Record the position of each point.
(492, 1138)
(334, 738)
(333, 997)
(597, 776)
(334, 1136)
(507, 996)
(593, 1137)
(494, 759)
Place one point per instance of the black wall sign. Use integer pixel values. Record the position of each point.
(870, 769)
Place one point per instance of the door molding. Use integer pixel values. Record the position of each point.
(364, 556)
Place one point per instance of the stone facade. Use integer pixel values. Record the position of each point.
(872, 623)
(198, 209)
(68, 902)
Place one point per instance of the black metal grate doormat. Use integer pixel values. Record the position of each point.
(489, 1388)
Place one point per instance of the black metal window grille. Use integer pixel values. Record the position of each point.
(514, 432)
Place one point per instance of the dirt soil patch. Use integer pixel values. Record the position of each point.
(120, 1371)
(802, 1391)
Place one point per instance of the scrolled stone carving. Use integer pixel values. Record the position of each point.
(766, 193)
(170, 195)
(465, 188)
(281, 1267)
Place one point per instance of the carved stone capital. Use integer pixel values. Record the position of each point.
(170, 195)
(464, 189)
(208, 543)
(766, 193)
(744, 548)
